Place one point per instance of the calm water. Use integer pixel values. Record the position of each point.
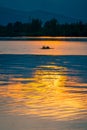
(46, 86)
(34, 47)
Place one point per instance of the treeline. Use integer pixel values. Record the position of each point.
(49, 28)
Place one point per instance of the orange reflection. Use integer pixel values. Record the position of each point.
(48, 94)
(34, 47)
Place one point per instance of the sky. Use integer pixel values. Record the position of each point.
(72, 8)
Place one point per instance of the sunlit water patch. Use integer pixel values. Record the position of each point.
(34, 47)
(53, 87)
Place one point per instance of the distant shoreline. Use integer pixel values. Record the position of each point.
(43, 39)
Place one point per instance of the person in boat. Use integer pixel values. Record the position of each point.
(45, 47)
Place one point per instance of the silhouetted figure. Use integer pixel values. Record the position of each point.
(45, 47)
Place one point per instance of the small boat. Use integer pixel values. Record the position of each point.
(46, 47)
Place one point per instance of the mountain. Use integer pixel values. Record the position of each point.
(45, 15)
(11, 15)
(8, 15)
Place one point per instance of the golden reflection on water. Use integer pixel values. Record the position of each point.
(34, 47)
(49, 94)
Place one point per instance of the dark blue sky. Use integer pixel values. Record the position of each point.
(72, 8)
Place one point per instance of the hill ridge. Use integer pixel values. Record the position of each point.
(12, 15)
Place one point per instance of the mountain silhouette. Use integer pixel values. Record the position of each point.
(8, 15)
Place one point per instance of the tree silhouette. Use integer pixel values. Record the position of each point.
(49, 28)
(35, 27)
(17, 28)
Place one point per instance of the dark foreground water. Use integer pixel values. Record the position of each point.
(46, 87)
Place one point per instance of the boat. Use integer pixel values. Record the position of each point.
(46, 47)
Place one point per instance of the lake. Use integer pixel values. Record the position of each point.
(43, 89)
(60, 46)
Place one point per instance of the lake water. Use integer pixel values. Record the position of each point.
(34, 47)
(43, 89)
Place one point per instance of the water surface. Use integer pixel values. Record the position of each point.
(47, 86)
(43, 89)
(34, 47)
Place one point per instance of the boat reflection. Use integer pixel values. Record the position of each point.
(49, 94)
